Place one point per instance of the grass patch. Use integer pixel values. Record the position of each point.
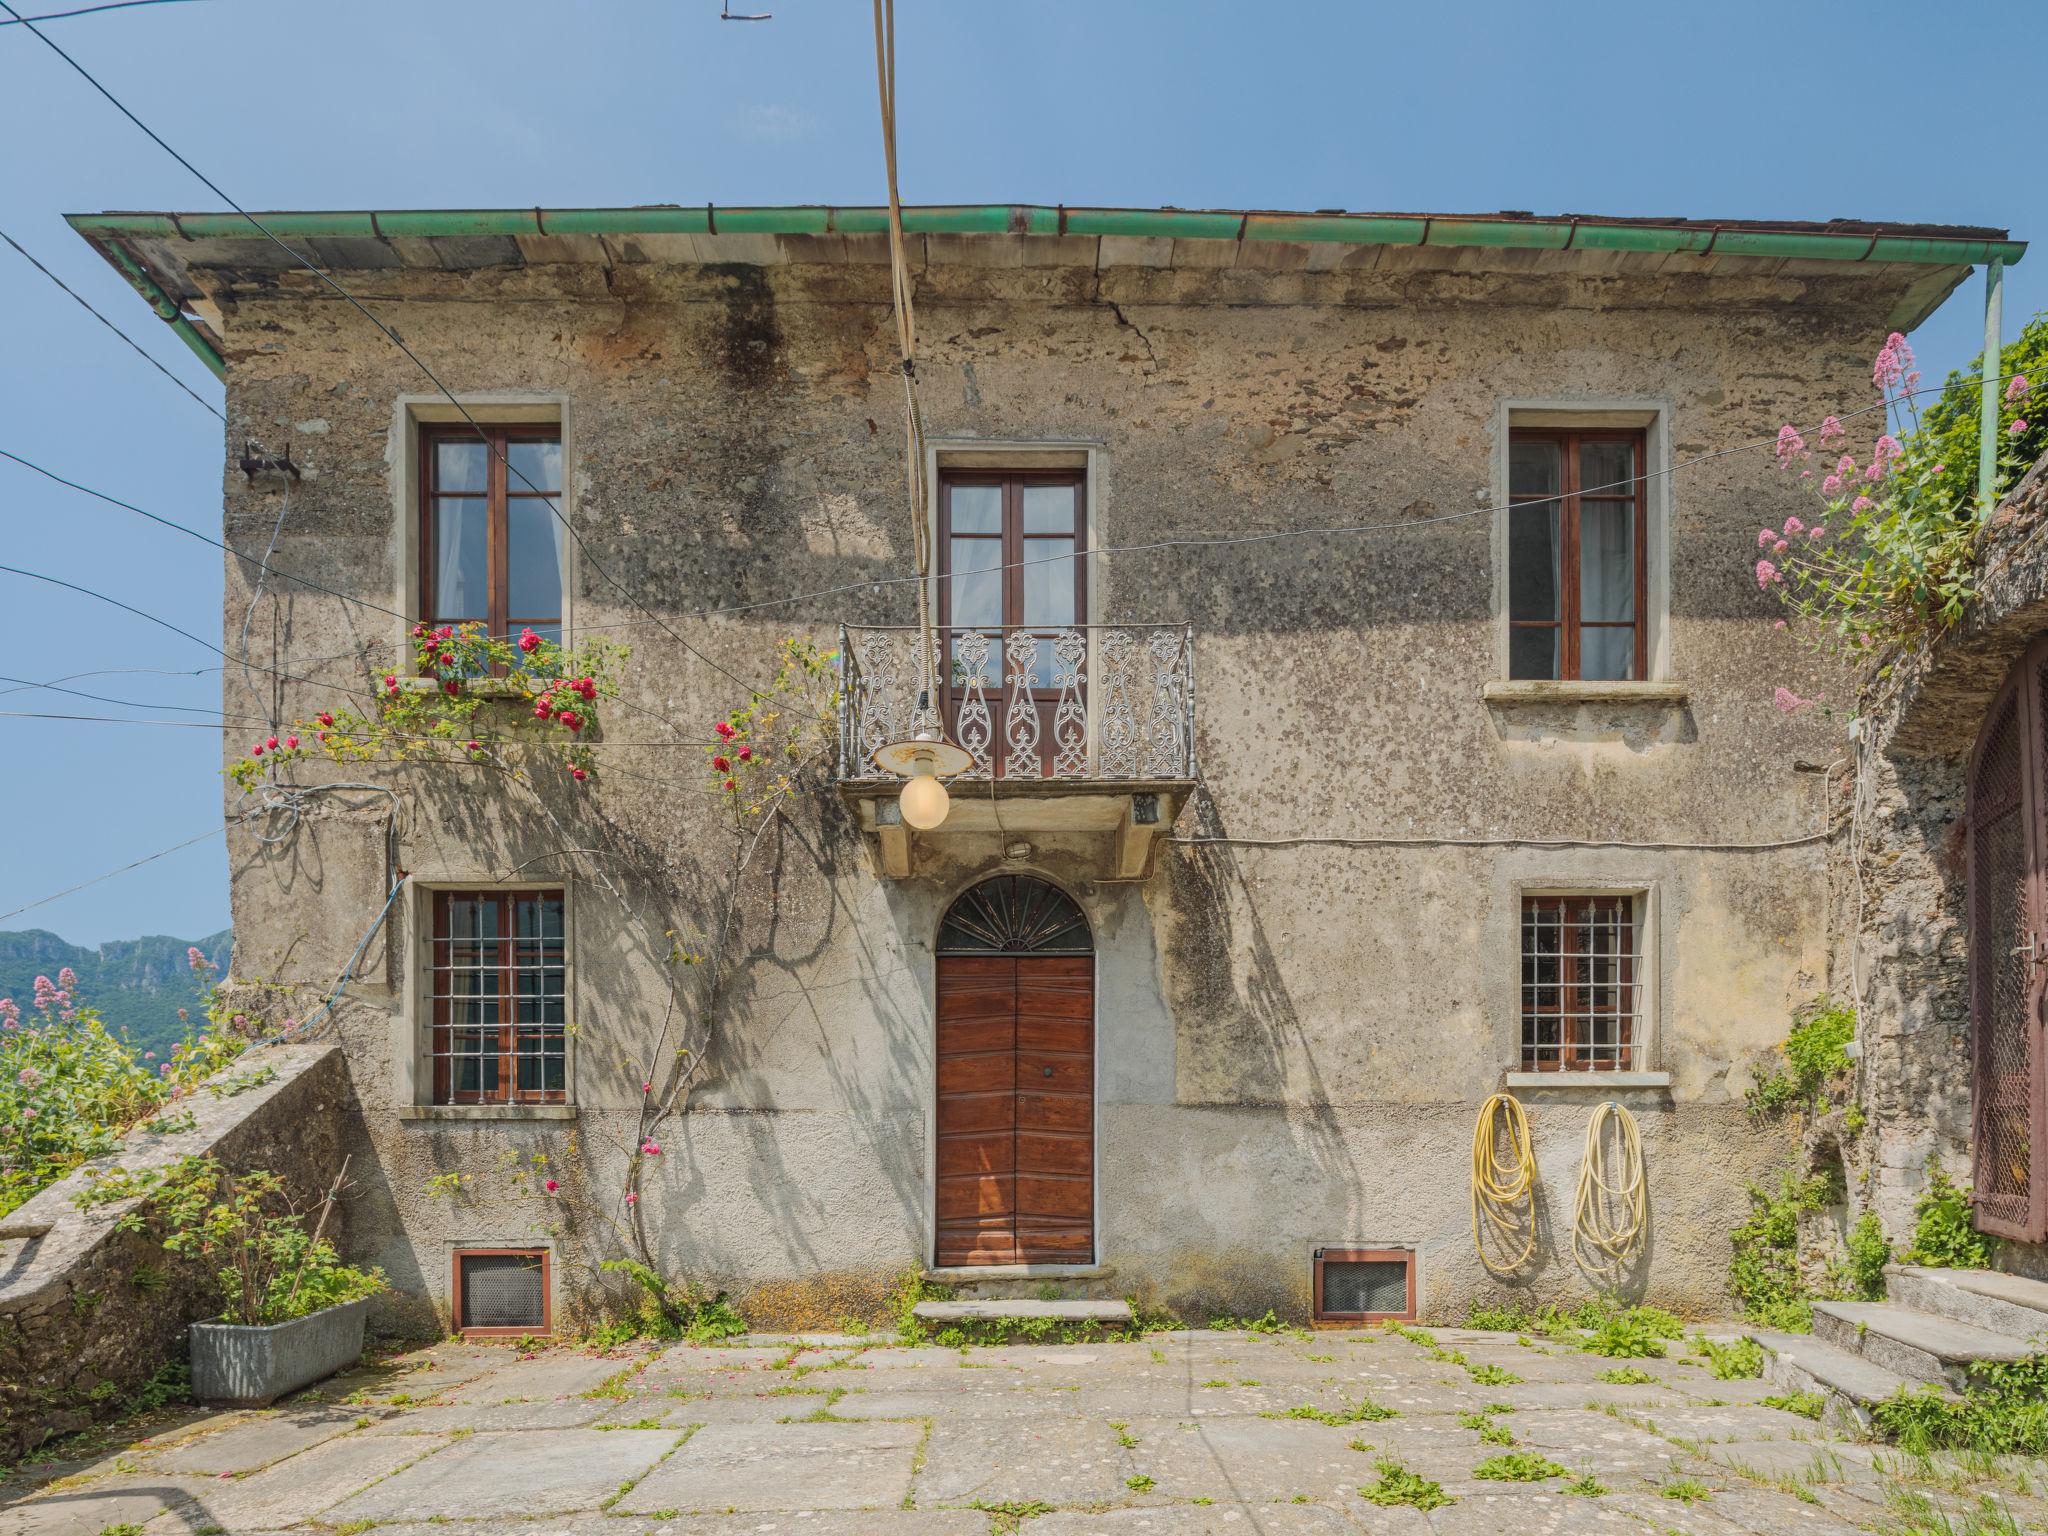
(1006, 1517)
(1808, 1405)
(1270, 1323)
(2002, 1412)
(1365, 1411)
(1397, 1485)
(1140, 1483)
(1686, 1490)
(1500, 1319)
(1518, 1467)
(1586, 1486)
(1741, 1360)
(1492, 1375)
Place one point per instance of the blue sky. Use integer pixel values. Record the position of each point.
(1768, 110)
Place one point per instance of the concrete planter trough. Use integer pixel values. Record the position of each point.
(244, 1367)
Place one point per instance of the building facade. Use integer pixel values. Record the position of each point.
(1353, 624)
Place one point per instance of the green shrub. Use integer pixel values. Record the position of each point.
(1948, 431)
(1626, 1333)
(1738, 1360)
(1499, 1319)
(1397, 1485)
(1808, 1405)
(1627, 1376)
(667, 1309)
(1942, 1235)
(1763, 1262)
(2003, 1411)
(1869, 1251)
(1816, 1051)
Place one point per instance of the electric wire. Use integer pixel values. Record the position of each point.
(548, 499)
(73, 890)
(133, 344)
(86, 10)
(1609, 1208)
(101, 698)
(1503, 1185)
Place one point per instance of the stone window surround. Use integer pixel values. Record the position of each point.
(1504, 940)
(490, 408)
(997, 453)
(1652, 417)
(412, 1030)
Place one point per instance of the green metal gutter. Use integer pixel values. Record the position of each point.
(1879, 243)
(1911, 244)
(168, 312)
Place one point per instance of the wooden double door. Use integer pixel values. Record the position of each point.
(1016, 1107)
(2008, 878)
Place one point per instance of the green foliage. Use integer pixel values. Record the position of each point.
(1808, 1405)
(1491, 1375)
(1948, 432)
(905, 1292)
(1270, 1323)
(147, 992)
(1364, 1411)
(1738, 1360)
(1942, 1235)
(1397, 1485)
(669, 1310)
(1627, 1376)
(1915, 1514)
(2003, 1411)
(1586, 1486)
(1490, 1430)
(1763, 1264)
(1816, 1053)
(1506, 1319)
(1686, 1490)
(1140, 1483)
(1518, 1467)
(1869, 1251)
(1625, 1333)
(267, 1267)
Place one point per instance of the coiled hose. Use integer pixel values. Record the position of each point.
(1610, 1208)
(1503, 1185)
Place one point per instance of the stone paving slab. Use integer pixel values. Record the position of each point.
(554, 1374)
(510, 1476)
(89, 1511)
(1213, 1520)
(794, 1467)
(257, 1442)
(307, 1484)
(1245, 1461)
(541, 1413)
(1054, 1461)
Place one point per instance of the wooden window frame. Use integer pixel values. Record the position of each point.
(1013, 482)
(1569, 498)
(498, 494)
(1323, 1319)
(1575, 1055)
(547, 1293)
(441, 1030)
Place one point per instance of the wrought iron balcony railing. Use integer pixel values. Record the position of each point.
(1091, 701)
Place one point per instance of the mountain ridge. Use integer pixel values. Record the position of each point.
(138, 985)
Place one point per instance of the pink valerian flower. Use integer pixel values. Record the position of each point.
(1778, 624)
(10, 1012)
(28, 1077)
(1788, 701)
(1765, 538)
(2017, 386)
(1861, 504)
(1780, 547)
(1766, 573)
(1832, 486)
(1830, 429)
(1794, 527)
(2018, 426)
(1790, 445)
(1817, 531)
(1845, 466)
(1893, 362)
(67, 978)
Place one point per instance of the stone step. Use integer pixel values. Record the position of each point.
(1921, 1345)
(1848, 1384)
(1987, 1298)
(1022, 1311)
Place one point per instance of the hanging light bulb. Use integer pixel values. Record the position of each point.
(921, 759)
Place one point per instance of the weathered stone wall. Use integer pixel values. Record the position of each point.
(89, 1313)
(1921, 725)
(1294, 1040)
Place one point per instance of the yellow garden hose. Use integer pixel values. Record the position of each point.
(1503, 1185)
(1610, 1209)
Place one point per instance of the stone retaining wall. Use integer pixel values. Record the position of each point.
(78, 1333)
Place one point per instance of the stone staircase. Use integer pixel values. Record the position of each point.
(1934, 1325)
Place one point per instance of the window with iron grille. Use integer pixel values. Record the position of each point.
(501, 1290)
(1581, 983)
(499, 971)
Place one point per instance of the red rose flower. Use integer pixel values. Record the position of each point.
(292, 742)
(271, 743)
(720, 765)
(746, 754)
(578, 775)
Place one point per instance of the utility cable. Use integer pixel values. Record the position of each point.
(1610, 1208)
(73, 890)
(548, 499)
(133, 344)
(1503, 1185)
(101, 698)
(86, 10)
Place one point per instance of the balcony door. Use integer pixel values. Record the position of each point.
(2008, 843)
(1013, 593)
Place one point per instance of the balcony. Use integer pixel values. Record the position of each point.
(1088, 728)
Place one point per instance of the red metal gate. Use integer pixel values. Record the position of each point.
(2009, 955)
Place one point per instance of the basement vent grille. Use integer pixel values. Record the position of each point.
(1355, 1284)
(502, 1291)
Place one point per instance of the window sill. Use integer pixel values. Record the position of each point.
(1547, 691)
(487, 1112)
(1589, 1082)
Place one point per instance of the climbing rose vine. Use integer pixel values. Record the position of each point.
(1887, 554)
(469, 697)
